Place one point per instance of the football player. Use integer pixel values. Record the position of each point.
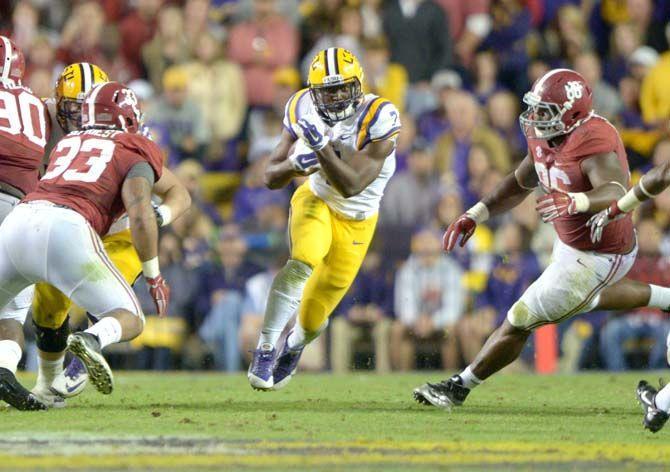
(50, 305)
(23, 135)
(656, 404)
(53, 235)
(345, 141)
(578, 160)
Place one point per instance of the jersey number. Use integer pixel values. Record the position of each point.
(23, 114)
(99, 152)
(551, 176)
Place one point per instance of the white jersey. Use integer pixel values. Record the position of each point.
(376, 119)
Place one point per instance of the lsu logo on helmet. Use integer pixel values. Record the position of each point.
(74, 83)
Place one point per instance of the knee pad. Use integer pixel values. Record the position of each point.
(52, 340)
(292, 278)
(520, 316)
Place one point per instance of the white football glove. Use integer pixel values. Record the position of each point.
(312, 131)
(303, 159)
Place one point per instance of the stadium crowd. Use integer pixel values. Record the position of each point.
(214, 76)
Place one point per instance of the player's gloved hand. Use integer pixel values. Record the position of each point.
(556, 204)
(160, 292)
(313, 132)
(304, 163)
(601, 219)
(463, 227)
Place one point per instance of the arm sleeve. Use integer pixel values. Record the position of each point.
(141, 169)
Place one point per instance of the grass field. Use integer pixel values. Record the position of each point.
(166, 421)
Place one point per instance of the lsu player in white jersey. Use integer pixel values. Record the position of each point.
(50, 306)
(345, 141)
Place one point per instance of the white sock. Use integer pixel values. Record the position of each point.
(283, 301)
(663, 399)
(300, 338)
(108, 330)
(10, 354)
(469, 379)
(660, 297)
(47, 371)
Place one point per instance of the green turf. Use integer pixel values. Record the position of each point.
(543, 413)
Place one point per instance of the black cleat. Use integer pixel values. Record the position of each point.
(12, 392)
(445, 394)
(654, 419)
(87, 348)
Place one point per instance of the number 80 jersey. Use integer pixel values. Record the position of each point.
(87, 170)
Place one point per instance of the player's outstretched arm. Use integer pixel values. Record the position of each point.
(175, 196)
(280, 170)
(510, 192)
(136, 195)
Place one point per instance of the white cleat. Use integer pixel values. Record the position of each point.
(49, 398)
(72, 381)
(87, 348)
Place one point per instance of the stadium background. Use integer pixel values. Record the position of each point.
(214, 76)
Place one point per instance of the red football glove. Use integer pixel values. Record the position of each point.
(160, 292)
(464, 227)
(554, 205)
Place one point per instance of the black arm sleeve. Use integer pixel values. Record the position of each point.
(142, 169)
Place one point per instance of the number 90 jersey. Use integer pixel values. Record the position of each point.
(560, 168)
(87, 170)
(375, 119)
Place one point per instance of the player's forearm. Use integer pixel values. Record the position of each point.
(144, 230)
(278, 175)
(346, 180)
(175, 202)
(507, 195)
(599, 198)
(649, 186)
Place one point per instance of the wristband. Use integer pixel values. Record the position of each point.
(582, 202)
(628, 202)
(644, 190)
(166, 214)
(479, 213)
(151, 269)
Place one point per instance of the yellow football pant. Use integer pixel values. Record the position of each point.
(51, 306)
(333, 246)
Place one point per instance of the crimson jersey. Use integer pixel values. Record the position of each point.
(560, 168)
(24, 131)
(87, 170)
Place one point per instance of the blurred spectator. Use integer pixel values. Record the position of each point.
(82, 34)
(365, 312)
(181, 117)
(625, 41)
(253, 195)
(264, 126)
(410, 196)
(40, 81)
(644, 323)
(503, 116)
(651, 29)
(347, 34)
(162, 338)
(453, 147)
(469, 24)
(136, 29)
(638, 137)
(572, 35)
(317, 20)
(168, 46)
(486, 73)
(25, 25)
(196, 16)
(606, 101)
(435, 122)
(655, 93)
(261, 45)
(641, 61)
(42, 55)
(513, 271)
(384, 78)
(429, 301)
(371, 13)
(418, 37)
(220, 295)
(217, 84)
(110, 58)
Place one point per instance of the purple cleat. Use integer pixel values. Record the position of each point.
(72, 381)
(260, 370)
(287, 364)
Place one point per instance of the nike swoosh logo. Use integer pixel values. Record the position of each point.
(75, 387)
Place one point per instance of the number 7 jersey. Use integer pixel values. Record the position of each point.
(87, 170)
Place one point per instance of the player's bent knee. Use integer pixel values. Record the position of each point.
(50, 339)
(521, 317)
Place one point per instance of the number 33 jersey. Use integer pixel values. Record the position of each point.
(87, 170)
(376, 119)
(560, 168)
